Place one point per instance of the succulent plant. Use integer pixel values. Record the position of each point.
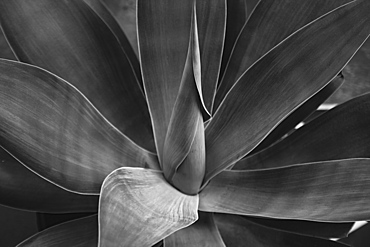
(193, 142)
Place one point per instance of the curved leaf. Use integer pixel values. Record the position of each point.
(108, 18)
(70, 40)
(340, 133)
(211, 15)
(139, 208)
(203, 233)
(163, 35)
(236, 18)
(49, 126)
(81, 232)
(238, 232)
(328, 191)
(22, 189)
(326, 230)
(300, 114)
(184, 148)
(270, 23)
(281, 81)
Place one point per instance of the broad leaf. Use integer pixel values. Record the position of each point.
(340, 133)
(308, 228)
(211, 16)
(81, 232)
(203, 233)
(299, 114)
(70, 40)
(22, 189)
(107, 17)
(236, 231)
(236, 18)
(184, 148)
(270, 23)
(163, 35)
(325, 191)
(281, 81)
(139, 208)
(50, 127)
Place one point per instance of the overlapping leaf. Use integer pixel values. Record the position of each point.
(104, 13)
(203, 233)
(81, 232)
(236, 18)
(299, 114)
(270, 23)
(184, 148)
(327, 230)
(139, 208)
(325, 191)
(22, 189)
(69, 39)
(49, 126)
(211, 16)
(340, 133)
(238, 232)
(163, 35)
(281, 81)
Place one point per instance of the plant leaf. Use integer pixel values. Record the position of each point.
(236, 18)
(22, 189)
(325, 191)
(340, 133)
(108, 18)
(202, 233)
(70, 40)
(50, 127)
(184, 148)
(308, 228)
(281, 81)
(81, 232)
(270, 23)
(211, 16)
(299, 114)
(163, 36)
(139, 208)
(238, 232)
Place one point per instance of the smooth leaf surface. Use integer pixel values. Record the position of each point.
(139, 208)
(184, 148)
(203, 233)
(236, 18)
(325, 191)
(100, 8)
(81, 232)
(22, 189)
(50, 127)
(211, 16)
(281, 81)
(299, 114)
(70, 40)
(269, 24)
(163, 35)
(340, 133)
(325, 230)
(238, 232)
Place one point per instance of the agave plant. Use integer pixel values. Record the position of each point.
(193, 142)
